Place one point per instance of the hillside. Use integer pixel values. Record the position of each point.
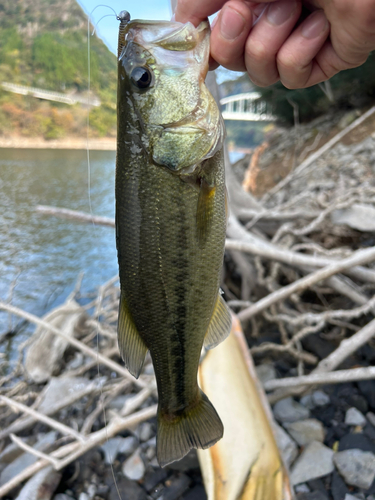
(43, 44)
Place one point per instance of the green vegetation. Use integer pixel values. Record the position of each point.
(43, 44)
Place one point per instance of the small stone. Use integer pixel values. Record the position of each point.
(150, 453)
(288, 410)
(134, 468)
(371, 497)
(41, 486)
(348, 496)
(371, 417)
(128, 445)
(314, 495)
(354, 417)
(306, 431)
(63, 389)
(357, 467)
(145, 431)
(315, 461)
(358, 441)
(338, 486)
(130, 490)
(367, 388)
(91, 491)
(83, 496)
(197, 493)
(265, 372)
(286, 445)
(111, 449)
(153, 478)
(177, 488)
(62, 496)
(307, 401)
(76, 362)
(149, 369)
(302, 488)
(320, 398)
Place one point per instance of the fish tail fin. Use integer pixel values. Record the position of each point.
(197, 427)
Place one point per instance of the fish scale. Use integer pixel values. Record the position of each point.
(170, 232)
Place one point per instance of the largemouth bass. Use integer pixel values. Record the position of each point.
(170, 222)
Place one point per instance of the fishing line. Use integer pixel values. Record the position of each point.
(96, 25)
(90, 207)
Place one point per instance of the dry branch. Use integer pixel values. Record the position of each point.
(63, 429)
(331, 362)
(256, 246)
(74, 342)
(72, 451)
(65, 213)
(33, 451)
(337, 377)
(312, 158)
(359, 257)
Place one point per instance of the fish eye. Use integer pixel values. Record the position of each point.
(141, 77)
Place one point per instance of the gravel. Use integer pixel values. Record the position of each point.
(306, 431)
(357, 467)
(289, 410)
(133, 467)
(315, 461)
(354, 417)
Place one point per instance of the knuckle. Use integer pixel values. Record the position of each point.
(257, 51)
(288, 61)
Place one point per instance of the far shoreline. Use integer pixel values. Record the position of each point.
(100, 144)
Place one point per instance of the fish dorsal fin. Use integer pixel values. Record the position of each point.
(220, 324)
(132, 348)
(205, 209)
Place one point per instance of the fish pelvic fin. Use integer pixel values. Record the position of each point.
(132, 348)
(196, 427)
(220, 324)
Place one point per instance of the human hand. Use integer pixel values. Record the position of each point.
(265, 39)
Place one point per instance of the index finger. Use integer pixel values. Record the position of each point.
(197, 11)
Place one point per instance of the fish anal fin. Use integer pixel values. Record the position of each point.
(205, 209)
(196, 427)
(220, 324)
(132, 348)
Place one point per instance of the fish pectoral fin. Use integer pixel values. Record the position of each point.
(196, 427)
(220, 324)
(205, 209)
(132, 348)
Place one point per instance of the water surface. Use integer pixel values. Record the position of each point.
(42, 256)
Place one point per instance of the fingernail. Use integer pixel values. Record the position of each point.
(258, 12)
(231, 23)
(214, 22)
(314, 25)
(279, 12)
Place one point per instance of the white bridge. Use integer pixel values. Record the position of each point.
(248, 107)
(50, 95)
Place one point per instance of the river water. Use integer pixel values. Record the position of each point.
(41, 256)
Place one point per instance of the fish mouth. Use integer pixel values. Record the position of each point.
(170, 35)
